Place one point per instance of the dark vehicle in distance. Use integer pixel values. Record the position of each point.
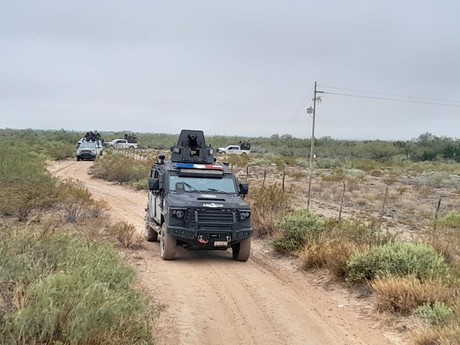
(195, 203)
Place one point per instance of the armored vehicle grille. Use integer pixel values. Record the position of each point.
(211, 219)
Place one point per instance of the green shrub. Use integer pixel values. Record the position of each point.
(70, 291)
(120, 168)
(397, 259)
(436, 314)
(25, 183)
(451, 220)
(298, 229)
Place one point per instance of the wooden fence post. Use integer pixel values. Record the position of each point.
(341, 201)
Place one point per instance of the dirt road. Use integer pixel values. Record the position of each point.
(211, 299)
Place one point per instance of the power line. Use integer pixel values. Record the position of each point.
(391, 94)
(393, 99)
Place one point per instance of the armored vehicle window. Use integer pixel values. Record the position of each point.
(202, 184)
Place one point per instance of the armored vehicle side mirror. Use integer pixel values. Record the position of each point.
(244, 189)
(154, 184)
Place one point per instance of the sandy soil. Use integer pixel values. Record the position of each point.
(211, 299)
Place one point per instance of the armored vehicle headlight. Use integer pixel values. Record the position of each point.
(178, 213)
(244, 214)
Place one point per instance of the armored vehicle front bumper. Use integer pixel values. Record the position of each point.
(206, 228)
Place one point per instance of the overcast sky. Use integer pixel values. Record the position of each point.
(232, 67)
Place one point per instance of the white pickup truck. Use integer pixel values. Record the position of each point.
(120, 144)
(235, 149)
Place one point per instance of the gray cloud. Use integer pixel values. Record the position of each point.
(234, 68)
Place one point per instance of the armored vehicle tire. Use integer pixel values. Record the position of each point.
(242, 250)
(78, 159)
(149, 234)
(167, 244)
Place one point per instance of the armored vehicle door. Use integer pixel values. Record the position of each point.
(157, 198)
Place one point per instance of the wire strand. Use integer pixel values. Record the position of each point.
(391, 94)
(393, 99)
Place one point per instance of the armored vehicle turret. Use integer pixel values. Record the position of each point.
(196, 203)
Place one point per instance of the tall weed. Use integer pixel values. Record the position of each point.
(268, 205)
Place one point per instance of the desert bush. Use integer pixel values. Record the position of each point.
(397, 260)
(297, 229)
(238, 160)
(141, 184)
(120, 168)
(364, 235)
(330, 254)
(339, 240)
(77, 203)
(68, 291)
(437, 313)
(450, 220)
(25, 183)
(125, 233)
(268, 205)
(405, 294)
(444, 236)
(59, 150)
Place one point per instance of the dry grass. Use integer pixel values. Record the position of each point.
(268, 205)
(330, 254)
(125, 233)
(404, 294)
(447, 335)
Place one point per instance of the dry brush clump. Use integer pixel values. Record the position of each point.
(405, 294)
(268, 205)
(77, 203)
(339, 240)
(444, 236)
(126, 234)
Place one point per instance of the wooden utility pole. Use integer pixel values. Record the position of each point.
(312, 111)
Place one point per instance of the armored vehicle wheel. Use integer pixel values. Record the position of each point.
(149, 234)
(78, 158)
(242, 250)
(167, 244)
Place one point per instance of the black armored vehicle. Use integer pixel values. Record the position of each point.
(196, 203)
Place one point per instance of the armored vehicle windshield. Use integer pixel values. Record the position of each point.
(202, 184)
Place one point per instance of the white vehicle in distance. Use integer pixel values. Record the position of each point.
(242, 149)
(89, 149)
(121, 144)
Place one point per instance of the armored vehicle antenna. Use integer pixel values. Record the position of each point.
(191, 148)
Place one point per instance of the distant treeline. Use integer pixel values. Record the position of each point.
(427, 147)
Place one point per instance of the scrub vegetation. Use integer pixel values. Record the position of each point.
(60, 282)
(382, 214)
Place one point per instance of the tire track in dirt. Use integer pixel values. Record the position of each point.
(211, 299)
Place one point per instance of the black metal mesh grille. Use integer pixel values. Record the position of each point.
(212, 219)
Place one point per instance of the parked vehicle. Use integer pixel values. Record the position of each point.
(242, 148)
(122, 144)
(195, 203)
(89, 149)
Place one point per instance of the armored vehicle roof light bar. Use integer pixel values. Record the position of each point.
(199, 166)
